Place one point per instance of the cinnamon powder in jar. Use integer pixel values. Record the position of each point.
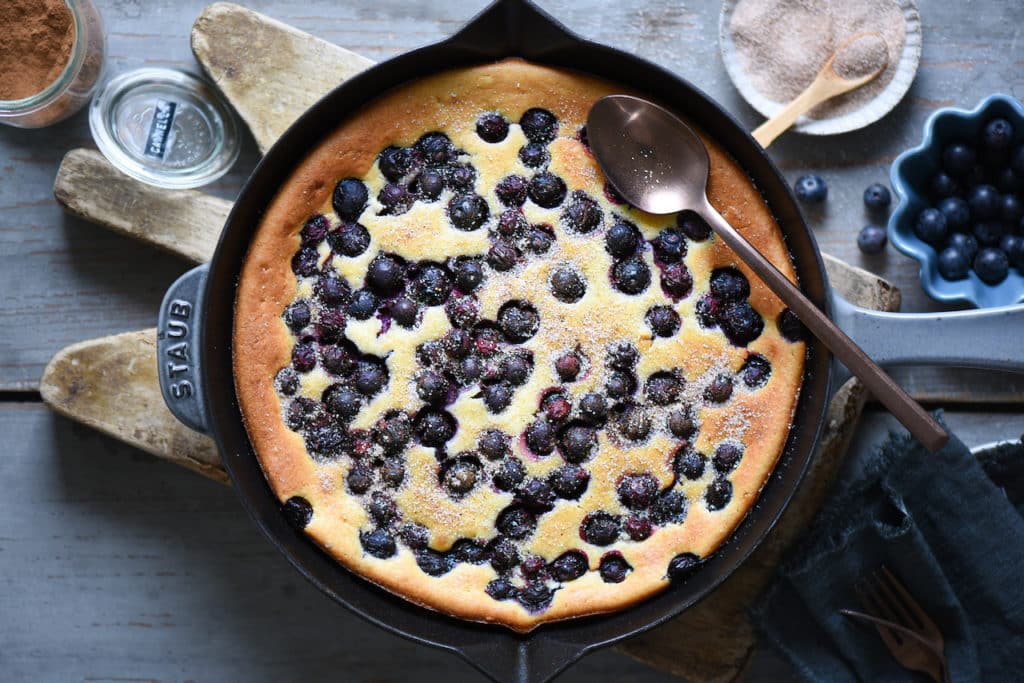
(37, 38)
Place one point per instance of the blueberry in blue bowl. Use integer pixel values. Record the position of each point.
(960, 204)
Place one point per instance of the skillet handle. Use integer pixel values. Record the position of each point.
(987, 338)
(178, 340)
(537, 659)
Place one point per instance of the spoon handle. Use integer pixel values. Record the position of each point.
(920, 424)
(816, 93)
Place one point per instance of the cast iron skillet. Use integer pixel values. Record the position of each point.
(196, 321)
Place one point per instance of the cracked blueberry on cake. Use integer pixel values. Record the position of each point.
(479, 379)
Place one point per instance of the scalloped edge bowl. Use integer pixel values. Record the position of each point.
(909, 176)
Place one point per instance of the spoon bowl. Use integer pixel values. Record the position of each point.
(658, 164)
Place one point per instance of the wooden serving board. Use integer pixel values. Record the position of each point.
(271, 73)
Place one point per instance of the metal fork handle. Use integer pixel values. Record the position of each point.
(903, 630)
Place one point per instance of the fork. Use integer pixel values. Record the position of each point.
(908, 632)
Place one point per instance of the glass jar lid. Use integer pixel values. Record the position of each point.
(164, 127)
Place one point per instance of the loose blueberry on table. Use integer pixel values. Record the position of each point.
(508, 415)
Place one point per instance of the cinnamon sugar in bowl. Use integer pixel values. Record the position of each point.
(51, 60)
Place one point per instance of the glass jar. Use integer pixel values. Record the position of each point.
(75, 85)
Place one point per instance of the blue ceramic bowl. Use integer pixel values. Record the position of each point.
(909, 177)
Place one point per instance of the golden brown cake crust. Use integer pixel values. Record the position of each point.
(263, 343)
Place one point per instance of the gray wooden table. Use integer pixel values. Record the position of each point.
(116, 567)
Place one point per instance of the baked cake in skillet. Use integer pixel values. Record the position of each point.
(477, 378)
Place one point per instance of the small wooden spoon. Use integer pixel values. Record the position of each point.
(827, 84)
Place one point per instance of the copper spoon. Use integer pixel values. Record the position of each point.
(829, 83)
(658, 164)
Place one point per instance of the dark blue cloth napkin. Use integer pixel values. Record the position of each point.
(950, 526)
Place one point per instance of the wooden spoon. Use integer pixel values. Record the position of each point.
(859, 62)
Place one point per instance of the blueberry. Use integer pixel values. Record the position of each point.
(727, 456)
(681, 566)
(517, 367)
(622, 239)
(539, 125)
(1007, 181)
(670, 508)
(593, 408)
(397, 162)
(966, 243)
(404, 311)
(811, 189)
(537, 495)
(433, 563)
(363, 304)
(877, 197)
(689, 463)
(638, 528)
(567, 285)
(790, 326)
(534, 155)
(519, 320)
(719, 493)
(504, 554)
(359, 478)
(931, 226)
(539, 239)
(682, 423)
(756, 371)
(468, 211)
(953, 264)
(497, 397)
(998, 134)
(720, 389)
(958, 159)
(620, 384)
(676, 280)
(297, 512)
(395, 199)
(556, 406)
(381, 508)
(991, 265)
(304, 357)
(634, 423)
(577, 442)
(516, 522)
(392, 472)
(287, 381)
(637, 491)
(434, 427)
(297, 315)
(378, 543)
(600, 528)
(535, 596)
(350, 239)
(663, 388)
(582, 214)
(460, 177)
(614, 568)
(349, 199)
(501, 589)
(741, 323)
(569, 481)
(631, 276)
(622, 355)
(306, 261)
(432, 387)
(494, 444)
(370, 377)
(433, 285)
(957, 213)
(436, 149)
(568, 366)
(1011, 209)
(488, 341)
(511, 190)
(469, 550)
(540, 437)
(469, 273)
(460, 476)
(984, 201)
(569, 566)
(669, 246)
(510, 474)
(342, 401)
(693, 226)
(989, 233)
(315, 230)
(429, 184)
(301, 413)
(415, 536)
(1013, 245)
(546, 190)
(512, 223)
(492, 127)
(872, 239)
(943, 185)
(729, 284)
(384, 275)
(502, 256)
